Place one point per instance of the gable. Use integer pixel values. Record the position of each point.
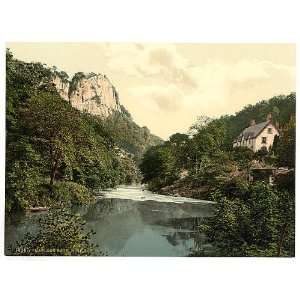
(254, 131)
(265, 131)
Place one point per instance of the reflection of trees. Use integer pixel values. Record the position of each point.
(188, 235)
(199, 241)
(117, 220)
(114, 221)
(185, 231)
(178, 237)
(189, 223)
(172, 238)
(16, 225)
(201, 247)
(109, 207)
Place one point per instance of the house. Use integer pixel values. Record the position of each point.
(257, 136)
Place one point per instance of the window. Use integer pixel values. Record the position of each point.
(270, 130)
(263, 140)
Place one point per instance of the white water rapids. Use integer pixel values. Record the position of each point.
(140, 193)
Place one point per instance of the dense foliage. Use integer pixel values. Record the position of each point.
(128, 135)
(53, 148)
(207, 154)
(60, 234)
(281, 108)
(250, 218)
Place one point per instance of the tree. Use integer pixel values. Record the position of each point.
(180, 147)
(286, 145)
(243, 156)
(206, 142)
(22, 81)
(261, 154)
(213, 170)
(54, 127)
(159, 164)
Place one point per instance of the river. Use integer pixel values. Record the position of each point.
(132, 221)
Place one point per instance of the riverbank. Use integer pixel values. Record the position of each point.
(185, 188)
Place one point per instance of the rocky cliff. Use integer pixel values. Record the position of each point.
(93, 93)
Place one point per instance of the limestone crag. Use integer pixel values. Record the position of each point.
(93, 93)
(62, 87)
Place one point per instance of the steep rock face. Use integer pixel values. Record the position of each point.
(62, 87)
(93, 93)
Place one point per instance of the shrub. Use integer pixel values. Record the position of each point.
(60, 234)
(22, 186)
(71, 193)
(253, 220)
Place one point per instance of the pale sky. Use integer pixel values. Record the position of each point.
(166, 86)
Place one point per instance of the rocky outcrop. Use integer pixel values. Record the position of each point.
(93, 93)
(62, 87)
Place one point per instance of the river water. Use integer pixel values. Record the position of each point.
(132, 221)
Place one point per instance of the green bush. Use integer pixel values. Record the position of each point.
(251, 220)
(22, 187)
(70, 193)
(60, 234)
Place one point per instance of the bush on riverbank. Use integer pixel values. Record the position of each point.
(251, 220)
(71, 193)
(60, 234)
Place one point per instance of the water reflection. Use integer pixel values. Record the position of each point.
(147, 228)
(138, 223)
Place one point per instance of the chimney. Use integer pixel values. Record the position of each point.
(269, 117)
(252, 123)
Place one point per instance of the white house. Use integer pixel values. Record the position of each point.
(257, 136)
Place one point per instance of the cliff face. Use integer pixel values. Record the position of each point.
(62, 87)
(93, 93)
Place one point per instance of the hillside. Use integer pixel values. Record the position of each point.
(96, 95)
(66, 139)
(207, 156)
(281, 107)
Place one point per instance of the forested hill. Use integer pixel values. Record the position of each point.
(207, 153)
(61, 146)
(281, 107)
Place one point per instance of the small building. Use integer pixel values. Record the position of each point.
(257, 136)
(265, 174)
(268, 174)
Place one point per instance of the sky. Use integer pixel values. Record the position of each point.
(167, 86)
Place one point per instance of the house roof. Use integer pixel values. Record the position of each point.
(252, 131)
